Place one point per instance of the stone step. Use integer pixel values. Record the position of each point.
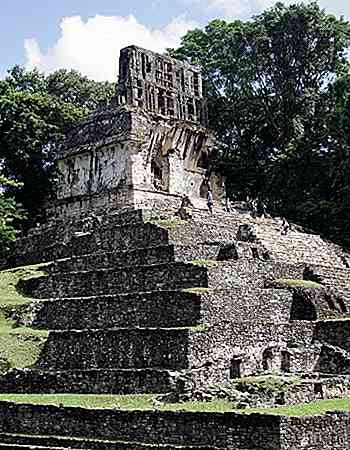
(153, 309)
(239, 303)
(127, 348)
(103, 260)
(175, 428)
(164, 309)
(191, 232)
(250, 273)
(26, 447)
(117, 238)
(175, 276)
(44, 243)
(121, 382)
(25, 442)
(333, 360)
(299, 246)
(161, 254)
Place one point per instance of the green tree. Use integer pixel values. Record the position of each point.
(265, 80)
(9, 213)
(35, 113)
(276, 101)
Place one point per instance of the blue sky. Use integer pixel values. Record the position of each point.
(88, 34)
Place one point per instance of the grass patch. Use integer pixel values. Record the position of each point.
(19, 346)
(308, 409)
(297, 283)
(268, 383)
(198, 290)
(145, 403)
(9, 294)
(205, 262)
(122, 402)
(168, 223)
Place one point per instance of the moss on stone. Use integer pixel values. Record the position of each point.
(197, 290)
(9, 279)
(287, 282)
(20, 346)
(205, 262)
(146, 402)
(168, 223)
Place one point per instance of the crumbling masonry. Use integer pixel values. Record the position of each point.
(147, 149)
(139, 301)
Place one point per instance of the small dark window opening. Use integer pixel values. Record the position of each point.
(203, 190)
(267, 359)
(285, 361)
(190, 109)
(330, 302)
(157, 171)
(318, 390)
(236, 367)
(342, 305)
(203, 161)
(143, 64)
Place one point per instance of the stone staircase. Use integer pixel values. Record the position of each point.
(336, 278)
(136, 304)
(30, 442)
(126, 313)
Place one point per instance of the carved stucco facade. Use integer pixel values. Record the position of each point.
(126, 156)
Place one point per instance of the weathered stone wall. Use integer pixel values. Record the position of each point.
(139, 257)
(54, 239)
(156, 309)
(327, 432)
(120, 348)
(217, 430)
(335, 333)
(226, 430)
(238, 304)
(317, 304)
(94, 381)
(94, 171)
(159, 277)
(161, 85)
(218, 345)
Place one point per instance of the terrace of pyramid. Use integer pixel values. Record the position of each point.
(144, 292)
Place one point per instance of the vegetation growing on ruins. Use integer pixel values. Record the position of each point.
(198, 290)
(20, 346)
(9, 279)
(287, 282)
(205, 262)
(168, 223)
(147, 402)
(309, 409)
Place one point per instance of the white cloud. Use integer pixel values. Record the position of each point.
(93, 46)
(231, 9)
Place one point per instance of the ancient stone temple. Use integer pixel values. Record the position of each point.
(131, 299)
(148, 148)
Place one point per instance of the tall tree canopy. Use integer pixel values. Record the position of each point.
(35, 112)
(278, 89)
